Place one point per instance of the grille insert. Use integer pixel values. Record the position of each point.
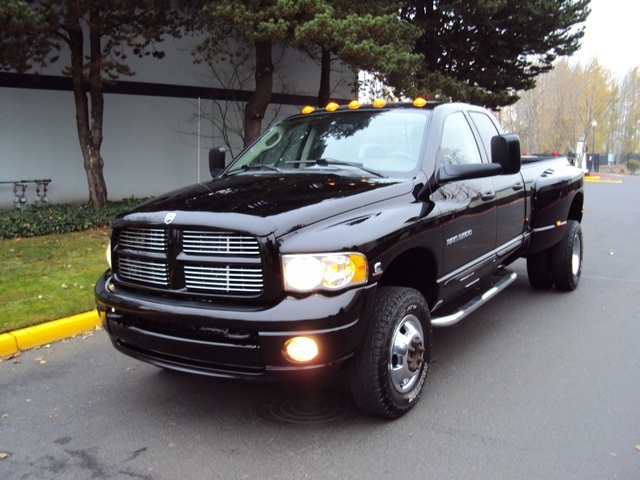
(213, 243)
(145, 271)
(228, 279)
(149, 239)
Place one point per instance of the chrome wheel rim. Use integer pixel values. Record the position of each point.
(575, 257)
(406, 354)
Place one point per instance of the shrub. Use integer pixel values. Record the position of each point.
(632, 166)
(47, 219)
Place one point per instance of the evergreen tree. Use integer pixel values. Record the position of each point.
(485, 51)
(367, 36)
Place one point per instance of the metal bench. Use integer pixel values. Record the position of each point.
(20, 190)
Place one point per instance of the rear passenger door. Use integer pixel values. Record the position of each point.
(510, 192)
(468, 210)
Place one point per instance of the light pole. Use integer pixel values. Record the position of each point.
(594, 124)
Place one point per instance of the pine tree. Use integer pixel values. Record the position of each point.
(485, 51)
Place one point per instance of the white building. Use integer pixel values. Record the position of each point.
(156, 136)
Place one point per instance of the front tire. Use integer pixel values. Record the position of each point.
(390, 368)
(566, 258)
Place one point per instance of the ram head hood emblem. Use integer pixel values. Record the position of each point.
(168, 218)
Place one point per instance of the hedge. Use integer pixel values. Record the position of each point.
(46, 219)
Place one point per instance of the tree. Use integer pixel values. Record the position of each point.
(559, 113)
(487, 51)
(364, 36)
(262, 23)
(367, 36)
(97, 36)
(624, 138)
(232, 73)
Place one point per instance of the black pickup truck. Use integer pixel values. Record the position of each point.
(339, 238)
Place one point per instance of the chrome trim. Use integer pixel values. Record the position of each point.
(507, 278)
(218, 243)
(145, 271)
(224, 278)
(149, 239)
(549, 227)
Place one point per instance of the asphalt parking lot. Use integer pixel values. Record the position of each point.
(532, 385)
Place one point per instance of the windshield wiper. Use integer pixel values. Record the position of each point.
(260, 166)
(326, 162)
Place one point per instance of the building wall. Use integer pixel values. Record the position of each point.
(151, 137)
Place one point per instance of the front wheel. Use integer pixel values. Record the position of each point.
(390, 367)
(566, 258)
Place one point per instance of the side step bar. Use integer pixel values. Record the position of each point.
(507, 278)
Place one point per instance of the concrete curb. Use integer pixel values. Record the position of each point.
(38, 335)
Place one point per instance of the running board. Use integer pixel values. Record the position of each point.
(508, 277)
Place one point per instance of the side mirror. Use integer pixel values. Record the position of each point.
(505, 150)
(216, 160)
(454, 173)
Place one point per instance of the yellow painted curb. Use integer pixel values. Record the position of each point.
(8, 345)
(599, 180)
(38, 335)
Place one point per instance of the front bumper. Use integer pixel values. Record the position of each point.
(232, 341)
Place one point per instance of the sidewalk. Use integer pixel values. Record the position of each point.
(38, 335)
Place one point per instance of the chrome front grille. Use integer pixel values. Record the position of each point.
(228, 279)
(147, 239)
(144, 271)
(206, 262)
(213, 243)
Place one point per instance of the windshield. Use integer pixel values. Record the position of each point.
(381, 143)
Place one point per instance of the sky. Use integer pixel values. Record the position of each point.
(612, 36)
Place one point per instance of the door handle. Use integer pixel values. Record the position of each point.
(518, 186)
(488, 195)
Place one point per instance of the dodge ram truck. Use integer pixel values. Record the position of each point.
(338, 239)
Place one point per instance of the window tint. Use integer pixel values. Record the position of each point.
(458, 143)
(487, 129)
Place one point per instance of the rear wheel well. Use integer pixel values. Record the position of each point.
(414, 269)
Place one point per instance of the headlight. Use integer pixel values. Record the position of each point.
(324, 271)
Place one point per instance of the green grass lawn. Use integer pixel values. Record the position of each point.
(49, 277)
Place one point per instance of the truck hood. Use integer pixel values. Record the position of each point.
(263, 204)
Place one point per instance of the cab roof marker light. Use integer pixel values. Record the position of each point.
(354, 105)
(308, 109)
(331, 107)
(419, 102)
(379, 103)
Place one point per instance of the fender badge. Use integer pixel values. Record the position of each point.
(169, 217)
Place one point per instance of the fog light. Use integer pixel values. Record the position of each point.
(300, 349)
